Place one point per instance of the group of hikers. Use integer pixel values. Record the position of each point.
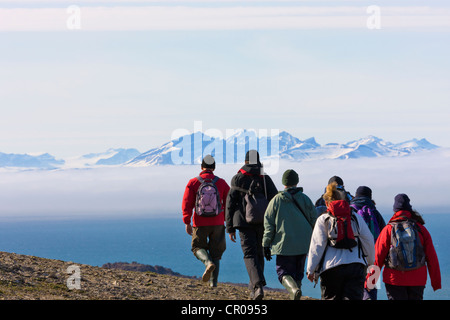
(339, 235)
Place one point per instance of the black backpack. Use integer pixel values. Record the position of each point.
(255, 200)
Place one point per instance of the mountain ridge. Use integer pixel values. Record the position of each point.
(289, 147)
(190, 149)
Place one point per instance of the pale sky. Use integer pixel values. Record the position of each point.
(128, 74)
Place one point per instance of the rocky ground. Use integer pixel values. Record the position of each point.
(24, 277)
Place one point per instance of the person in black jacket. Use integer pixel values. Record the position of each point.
(236, 218)
(363, 198)
(320, 205)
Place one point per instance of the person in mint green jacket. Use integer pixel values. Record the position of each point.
(288, 223)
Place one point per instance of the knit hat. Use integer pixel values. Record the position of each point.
(336, 179)
(290, 178)
(364, 191)
(208, 162)
(401, 202)
(251, 156)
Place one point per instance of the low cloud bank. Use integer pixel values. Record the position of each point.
(157, 191)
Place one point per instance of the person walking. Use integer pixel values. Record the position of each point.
(288, 223)
(321, 206)
(341, 248)
(251, 190)
(405, 249)
(204, 201)
(365, 206)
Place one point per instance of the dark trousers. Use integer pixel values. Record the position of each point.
(404, 292)
(370, 294)
(344, 282)
(251, 244)
(210, 238)
(293, 266)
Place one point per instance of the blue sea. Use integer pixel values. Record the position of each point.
(164, 242)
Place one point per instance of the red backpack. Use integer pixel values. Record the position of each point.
(342, 225)
(340, 231)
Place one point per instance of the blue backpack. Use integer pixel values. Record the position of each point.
(406, 252)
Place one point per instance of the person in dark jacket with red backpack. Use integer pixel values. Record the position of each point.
(405, 265)
(208, 217)
(237, 218)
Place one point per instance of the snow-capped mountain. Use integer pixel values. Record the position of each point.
(189, 149)
(160, 155)
(41, 161)
(109, 157)
(416, 145)
(113, 156)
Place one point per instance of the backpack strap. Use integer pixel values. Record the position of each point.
(240, 189)
(264, 182)
(361, 251)
(360, 248)
(319, 267)
(299, 208)
(216, 178)
(353, 217)
(200, 179)
(247, 191)
(322, 260)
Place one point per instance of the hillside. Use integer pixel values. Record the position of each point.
(24, 277)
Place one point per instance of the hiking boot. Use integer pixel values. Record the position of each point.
(292, 287)
(204, 257)
(257, 293)
(215, 274)
(299, 285)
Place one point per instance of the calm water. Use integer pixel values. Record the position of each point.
(164, 242)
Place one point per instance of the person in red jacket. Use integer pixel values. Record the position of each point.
(405, 278)
(207, 231)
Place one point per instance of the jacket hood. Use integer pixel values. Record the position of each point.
(362, 201)
(288, 194)
(251, 169)
(401, 215)
(339, 208)
(207, 174)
